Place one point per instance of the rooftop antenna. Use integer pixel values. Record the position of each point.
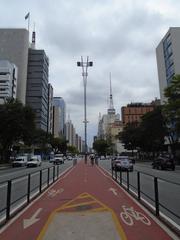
(33, 44)
(111, 109)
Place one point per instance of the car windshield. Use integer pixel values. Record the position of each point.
(19, 159)
(32, 159)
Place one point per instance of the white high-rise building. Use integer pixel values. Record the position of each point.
(14, 44)
(8, 80)
(168, 58)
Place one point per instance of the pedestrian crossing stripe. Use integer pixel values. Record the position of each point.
(93, 206)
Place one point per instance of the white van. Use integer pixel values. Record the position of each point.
(20, 161)
(34, 161)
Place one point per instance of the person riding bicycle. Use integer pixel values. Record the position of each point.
(92, 159)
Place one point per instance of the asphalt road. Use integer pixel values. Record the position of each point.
(168, 186)
(19, 179)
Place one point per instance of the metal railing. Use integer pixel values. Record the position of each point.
(18, 192)
(152, 198)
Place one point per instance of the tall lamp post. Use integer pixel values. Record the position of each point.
(85, 65)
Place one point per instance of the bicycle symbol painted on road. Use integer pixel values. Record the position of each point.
(129, 215)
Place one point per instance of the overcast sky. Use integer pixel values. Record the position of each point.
(119, 36)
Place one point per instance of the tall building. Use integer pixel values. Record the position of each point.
(50, 109)
(69, 132)
(8, 80)
(56, 121)
(107, 119)
(59, 102)
(37, 85)
(14, 44)
(168, 58)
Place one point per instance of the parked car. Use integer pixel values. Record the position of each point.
(34, 161)
(20, 161)
(58, 159)
(163, 162)
(122, 164)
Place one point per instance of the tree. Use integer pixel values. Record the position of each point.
(147, 136)
(129, 136)
(171, 112)
(17, 123)
(153, 131)
(59, 145)
(73, 150)
(101, 146)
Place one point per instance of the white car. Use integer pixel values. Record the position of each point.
(34, 161)
(20, 161)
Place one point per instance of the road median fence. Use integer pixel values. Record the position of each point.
(153, 197)
(18, 192)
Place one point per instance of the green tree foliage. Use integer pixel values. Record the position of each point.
(153, 130)
(17, 123)
(129, 136)
(101, 147)
(171, 109)
(73, 150)
(148, 136)
(59, 144)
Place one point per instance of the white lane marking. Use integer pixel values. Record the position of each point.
(33, 219)
(162, 225)
(33, 202)
(53, 192)
(113, 190)
(129, 215)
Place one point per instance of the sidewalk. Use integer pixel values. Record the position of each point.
(85, 204)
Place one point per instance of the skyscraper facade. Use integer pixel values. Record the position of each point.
(14, 44)
(8, 80)
(59, 102)
(37, 86)
(50, 109)
(168, 58)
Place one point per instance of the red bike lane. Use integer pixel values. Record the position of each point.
(85, 204)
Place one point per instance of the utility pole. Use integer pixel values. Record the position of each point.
(85, 66)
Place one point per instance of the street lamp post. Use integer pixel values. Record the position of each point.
(85, 66)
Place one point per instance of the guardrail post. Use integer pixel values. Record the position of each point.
(53, 173)
(116, 174)
(156, 195)
(138, 186)
(120, 177)
(28, 188)
(40, 181)
(58, 171)
(48, 177)
(112, 172)
(8, 206)
(127, 180)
